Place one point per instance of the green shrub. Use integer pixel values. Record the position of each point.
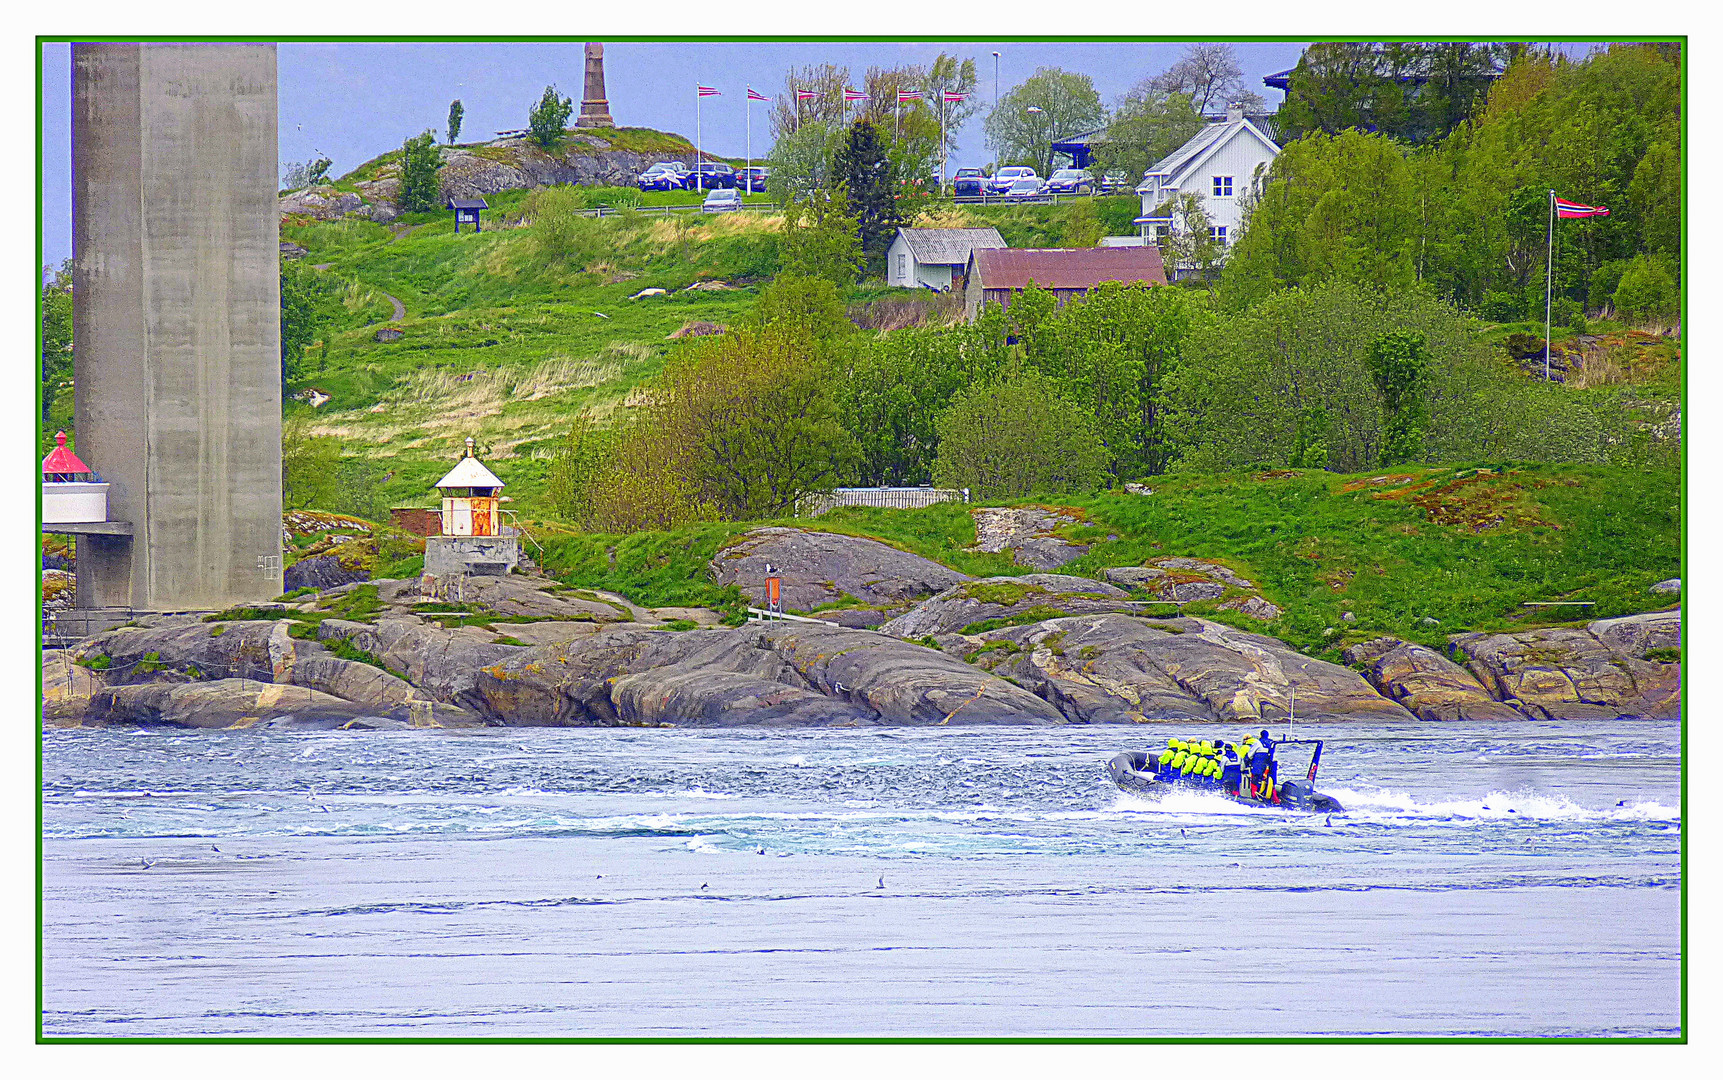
(1502, 307)
(1647, 288)
(1663, 656)
(1017, 435)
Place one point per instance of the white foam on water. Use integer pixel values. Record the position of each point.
(1496, 806)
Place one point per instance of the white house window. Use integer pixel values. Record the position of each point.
(1223, 185)
(1217, 233)
(1162, 233)
(902, 267)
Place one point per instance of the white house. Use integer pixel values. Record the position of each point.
(933, 258)
(1218, 164)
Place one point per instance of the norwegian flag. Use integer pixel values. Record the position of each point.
(707, 91)
(1565, 209)
(755, 95)
(953, 95)
(807, 95)
(908, 95)
(854, 95)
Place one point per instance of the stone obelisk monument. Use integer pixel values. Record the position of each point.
(594, 107)
(177, 319)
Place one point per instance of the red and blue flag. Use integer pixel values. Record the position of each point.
(1565, 209)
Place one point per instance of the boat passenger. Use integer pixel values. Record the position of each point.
(1232, 771)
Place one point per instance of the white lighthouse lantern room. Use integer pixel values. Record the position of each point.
(474, 539)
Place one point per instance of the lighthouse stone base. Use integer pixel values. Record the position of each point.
(490, 555)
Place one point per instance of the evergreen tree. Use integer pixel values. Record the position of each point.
(420, 160)
(866, 174)
(456, 112)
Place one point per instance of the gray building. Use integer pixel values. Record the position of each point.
(934, 258)
(176, 321)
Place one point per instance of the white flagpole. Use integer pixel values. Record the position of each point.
(1549, 274)
(748, 111)
(699, 182)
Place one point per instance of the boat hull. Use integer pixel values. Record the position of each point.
(1129, 771)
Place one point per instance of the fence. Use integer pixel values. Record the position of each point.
(891, 498)
(68, 626)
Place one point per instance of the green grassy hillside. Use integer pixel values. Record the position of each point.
(503, 339)
(1465, 547)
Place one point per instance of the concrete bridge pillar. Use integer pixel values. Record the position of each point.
(176, 320)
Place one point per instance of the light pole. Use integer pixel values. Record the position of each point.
(1036, 110)
(996, 80)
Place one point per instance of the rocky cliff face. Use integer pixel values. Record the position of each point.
(1035, 649)
(475, 172)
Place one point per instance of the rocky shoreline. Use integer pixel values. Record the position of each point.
(900, 640)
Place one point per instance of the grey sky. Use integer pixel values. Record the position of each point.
(353, 101)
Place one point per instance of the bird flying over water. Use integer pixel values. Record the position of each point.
(147, 863)
(881, 884)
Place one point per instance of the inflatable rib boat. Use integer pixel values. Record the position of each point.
(1153, 775)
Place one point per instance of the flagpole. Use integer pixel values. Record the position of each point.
(748, 137)
(1549, 274)
(699, 181)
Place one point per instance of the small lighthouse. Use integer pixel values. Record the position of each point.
(474, 539)
(72, 493)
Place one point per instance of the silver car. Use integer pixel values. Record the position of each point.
(719, 200)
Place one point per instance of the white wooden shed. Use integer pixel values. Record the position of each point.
(934, 258)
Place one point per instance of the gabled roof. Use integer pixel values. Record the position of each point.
(62, 460)
(467, 473)
(1204, 143)
(1066, 268)
(948, 247)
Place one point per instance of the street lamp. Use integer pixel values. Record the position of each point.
(1036, 110)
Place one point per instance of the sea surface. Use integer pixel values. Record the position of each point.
(1483, 880)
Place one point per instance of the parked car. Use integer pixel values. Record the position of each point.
(712, 174)
(754, 178)
(969, 182)
(718, 200)
(1004, 178)
(1068, 182)
(1023, 188)
(663, 176)
(1115, 181)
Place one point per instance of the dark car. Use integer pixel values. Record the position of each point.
(712, 174)
(753, 178)
(664, 176)
(969, 182)
(1068, 182)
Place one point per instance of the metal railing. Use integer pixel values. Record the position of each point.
(68, 626)
(890, 498)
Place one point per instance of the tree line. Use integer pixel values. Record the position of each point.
(1384, 194)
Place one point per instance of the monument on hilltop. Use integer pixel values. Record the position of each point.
(594, 107)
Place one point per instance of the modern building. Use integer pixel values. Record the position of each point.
(934, 258)
(997, 276)
(1218, 165)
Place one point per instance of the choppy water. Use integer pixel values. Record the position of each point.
(1519, 880)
